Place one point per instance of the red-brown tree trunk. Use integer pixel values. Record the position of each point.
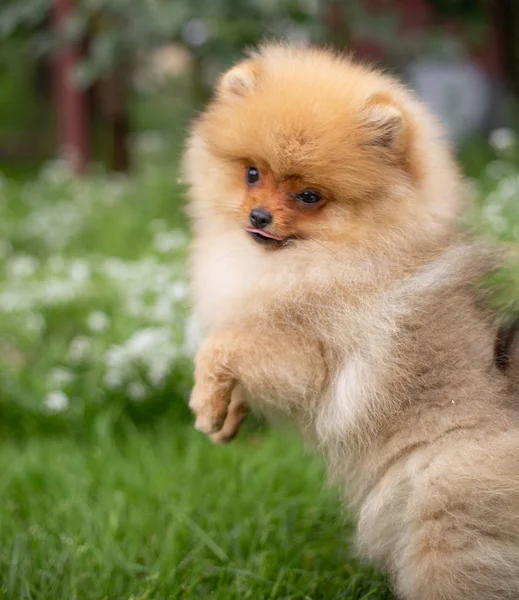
(70, 99)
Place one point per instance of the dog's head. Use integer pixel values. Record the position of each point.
(303, 145)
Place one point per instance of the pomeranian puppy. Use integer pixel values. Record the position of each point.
(332, 285)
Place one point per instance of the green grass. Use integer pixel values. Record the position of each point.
(115, 498)
(110, 493)
(161, 513)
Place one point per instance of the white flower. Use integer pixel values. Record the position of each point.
(98, 321)
(79, 271)
(59, 377)
(56, 401)
(54, 224)
(162, 311)
(56, 171)
(136, 390)
(497, 169)
(167, 241)
(492, 213)
(146, 341)
(56, 291)
(22, 266)
(119, 366)
(502, 139)
(151, 349)
(114, 378)
(159, 367)
(79, 350)
(179, 290)
(12, 300)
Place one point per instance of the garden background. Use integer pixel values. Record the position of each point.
(106, 490)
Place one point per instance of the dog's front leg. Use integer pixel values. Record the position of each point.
(279, 368)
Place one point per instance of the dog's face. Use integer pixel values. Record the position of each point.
(302, 147)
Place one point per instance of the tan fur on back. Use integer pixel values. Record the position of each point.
(368, 326)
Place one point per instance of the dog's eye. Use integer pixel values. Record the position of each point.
(252, 175)
(309, 197)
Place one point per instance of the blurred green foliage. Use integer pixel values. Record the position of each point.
(122, 30)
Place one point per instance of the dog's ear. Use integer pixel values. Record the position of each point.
(384, 123)
(239, 81)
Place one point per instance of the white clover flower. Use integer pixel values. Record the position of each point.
(162, 311)
(11, 300)
(54, 224)
(502, 139)
(168, 241)
(151, 349)
(56, 401)
(145, 340)
(98, 321)
(59, 377)
(179, 290)
(56, 171)
(79, 271)
(22, 266)
(79, 350)
(136, 390)
(57, 291)
(120, 366)
(492, 213)
(497, 169)
(160, 366)
(114, 378)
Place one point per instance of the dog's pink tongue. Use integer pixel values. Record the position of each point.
(263, 233)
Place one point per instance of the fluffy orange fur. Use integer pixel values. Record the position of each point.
(357, 314)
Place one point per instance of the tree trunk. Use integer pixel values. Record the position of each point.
(70, 99)
(112, 111)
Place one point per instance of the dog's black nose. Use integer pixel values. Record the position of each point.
(260, 218)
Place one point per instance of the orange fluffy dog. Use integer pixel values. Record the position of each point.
(333, 286)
